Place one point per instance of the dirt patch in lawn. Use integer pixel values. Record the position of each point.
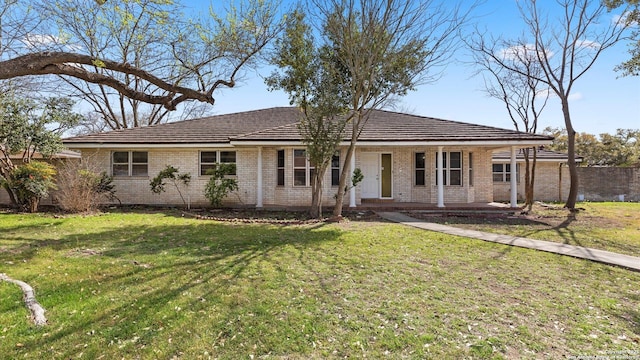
(543, 216)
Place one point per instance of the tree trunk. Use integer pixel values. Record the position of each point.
(316, 196)
(33, 204)
(345, 179)
(571, 149)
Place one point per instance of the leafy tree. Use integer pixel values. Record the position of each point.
(566, 48)
(156, 56)
(27, 127)
(631, 17)
(308, 77)
(619, 149)
(173, 176)
(219, 185)
(376, 51)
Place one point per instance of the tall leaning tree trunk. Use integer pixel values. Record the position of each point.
(571, 149)
(345, 179)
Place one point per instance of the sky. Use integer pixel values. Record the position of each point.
(601, 101)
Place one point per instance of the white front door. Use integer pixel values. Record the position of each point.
(370, 166)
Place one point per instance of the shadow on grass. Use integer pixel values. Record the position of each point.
(150, 267)
(568, 227)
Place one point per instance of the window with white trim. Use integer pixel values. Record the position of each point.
(209, 160)
(302, 169)
(502, 172)
(452, 167)
(420, 169)
(129, 163)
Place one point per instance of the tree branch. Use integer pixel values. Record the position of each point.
(59, 63)
(37, 311)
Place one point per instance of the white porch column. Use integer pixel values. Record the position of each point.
(440, 178)
(514, 179)
(352, 192)
(259, 189)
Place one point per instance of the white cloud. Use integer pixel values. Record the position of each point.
(44, 40)
(548, 92)
(621, 20)
(36, 40)
(575, 96)
(519, 52)
(588, 44)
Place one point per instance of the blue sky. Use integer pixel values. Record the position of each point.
(602, 101)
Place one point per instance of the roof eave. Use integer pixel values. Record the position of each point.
(491, 143)
(89, 145)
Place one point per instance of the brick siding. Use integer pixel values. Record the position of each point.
(135, 190)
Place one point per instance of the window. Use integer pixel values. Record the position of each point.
(129, 163)
(335, 169)
(502, 172)
(452, 167)
(209, 160)
(302, 170)
(419, 169)
(470, 169)
(280, 168)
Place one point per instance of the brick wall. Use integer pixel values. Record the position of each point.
(551, 183)
(609, 183)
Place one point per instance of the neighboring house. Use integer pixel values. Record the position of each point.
(396, 152)
(56, 159)
(552, 181)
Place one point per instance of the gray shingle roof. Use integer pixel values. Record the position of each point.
(279, 124)
(542, 154)
(213, 129)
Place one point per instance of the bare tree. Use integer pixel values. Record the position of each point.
(522, 95)
(384, 49)
(116, 48)
(566, 47)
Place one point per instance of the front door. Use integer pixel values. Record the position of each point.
(370, 167)
(376, 169)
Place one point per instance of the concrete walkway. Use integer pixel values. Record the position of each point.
(606, 257)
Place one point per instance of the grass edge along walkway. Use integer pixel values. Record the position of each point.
(602, 256)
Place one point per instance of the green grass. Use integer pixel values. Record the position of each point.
(613, 226)
(133, 285)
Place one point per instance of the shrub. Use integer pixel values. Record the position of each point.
(31, 182)
(219, 185)
(173, 176)
(83, 188)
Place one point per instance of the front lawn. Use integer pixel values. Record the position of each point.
(159, 285)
